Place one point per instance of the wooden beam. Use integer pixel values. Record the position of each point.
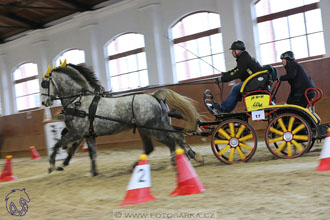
(37, 7)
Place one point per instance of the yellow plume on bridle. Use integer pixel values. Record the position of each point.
(63, 64)
(49, 69)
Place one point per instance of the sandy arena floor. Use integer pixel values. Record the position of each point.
(264, 188)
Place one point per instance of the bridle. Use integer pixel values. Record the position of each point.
(46, 85)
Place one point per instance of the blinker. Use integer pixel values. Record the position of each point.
(45, 84)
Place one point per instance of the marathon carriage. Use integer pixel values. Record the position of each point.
(291, 131)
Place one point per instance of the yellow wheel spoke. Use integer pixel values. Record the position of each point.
(224, 133)
(240, 153)
(231, 128)
(246, 146)
(280, 148)
(240, 131)
(275, 140)
(299, 128)
(297, 145)
(301, 137)
(281, 123)
(245, 138)
(291, 123)
(288, 145)
(220, 141)
(276, 131)
(224, 150)
(231, 156)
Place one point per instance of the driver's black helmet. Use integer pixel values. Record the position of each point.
(288, 55)
(237, 45)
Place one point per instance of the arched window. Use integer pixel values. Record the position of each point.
(27, 88)
(127, 62)
(74, 56)
(289, 25)
(198, 47)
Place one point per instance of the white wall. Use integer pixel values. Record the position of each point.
(92, 31)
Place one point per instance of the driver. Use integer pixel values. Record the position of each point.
(246, 66)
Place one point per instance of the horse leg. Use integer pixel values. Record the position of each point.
(53, 156)
(167, 139)
(65, 140)
(190, 152)
(71, 151)
(147, 144)
(92, 154)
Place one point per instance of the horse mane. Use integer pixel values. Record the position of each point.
(87, 74)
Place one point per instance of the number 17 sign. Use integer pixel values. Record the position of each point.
(258, 115)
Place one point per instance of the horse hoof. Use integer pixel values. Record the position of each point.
(95, 174)
(60, 169)
(173, 162)
(199, 158)
(50, 170)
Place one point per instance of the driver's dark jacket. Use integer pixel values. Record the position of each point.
(246, 66)
(298, 79)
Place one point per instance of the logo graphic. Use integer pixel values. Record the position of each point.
(17, 202)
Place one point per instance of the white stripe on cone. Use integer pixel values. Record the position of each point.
(140, 178)
(325, 153)
(85, 147)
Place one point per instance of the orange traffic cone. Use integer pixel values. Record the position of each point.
(7, 174)
(188, 181)
(138, 189)
(325, 154)
(34, 153)
(85, 147)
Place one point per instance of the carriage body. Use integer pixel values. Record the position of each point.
(290, 132)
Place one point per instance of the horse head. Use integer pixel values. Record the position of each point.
(67, 80)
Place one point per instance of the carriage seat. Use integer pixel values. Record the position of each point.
(258, 86)
(256, 90)
(258, 81)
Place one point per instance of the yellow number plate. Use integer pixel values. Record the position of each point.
(255, 102)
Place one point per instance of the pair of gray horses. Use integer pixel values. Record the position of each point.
(88, 113)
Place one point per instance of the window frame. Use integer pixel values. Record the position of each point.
(57, 58)
(23, 80)
(195, 36)
(135, 52)
(285, 14)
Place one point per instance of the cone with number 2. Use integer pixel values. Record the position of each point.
(138, 189)
(188, 181)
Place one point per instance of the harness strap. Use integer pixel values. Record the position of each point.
(91, 114)
(133, 116)
(75, 112)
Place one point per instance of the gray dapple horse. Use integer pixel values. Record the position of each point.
(89, 114)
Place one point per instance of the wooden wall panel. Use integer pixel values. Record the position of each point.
(20, 131)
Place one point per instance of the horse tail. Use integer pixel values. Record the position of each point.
(182, 104)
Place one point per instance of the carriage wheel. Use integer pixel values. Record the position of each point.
(288, 136)
(234, 141)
